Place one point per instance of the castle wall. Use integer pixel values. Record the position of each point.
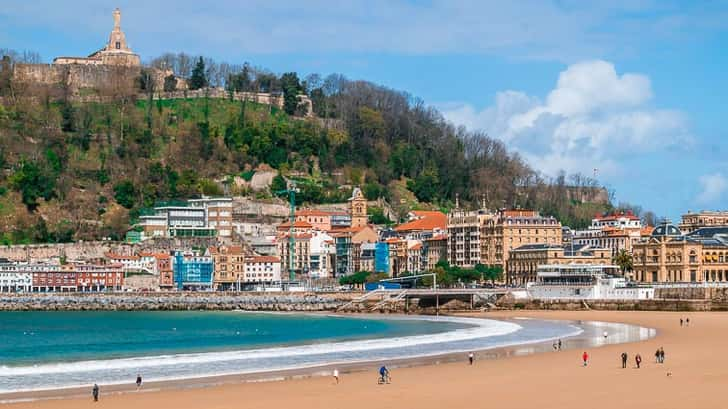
(109, 80)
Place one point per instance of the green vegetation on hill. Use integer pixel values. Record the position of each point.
(93, 165)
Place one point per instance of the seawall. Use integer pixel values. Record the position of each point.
(175, 301)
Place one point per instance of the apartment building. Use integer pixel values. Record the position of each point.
(229, 266)
(692, 221)
(514, 228)
(615, 231)
(464, 230)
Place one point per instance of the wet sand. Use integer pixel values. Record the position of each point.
(532, 376)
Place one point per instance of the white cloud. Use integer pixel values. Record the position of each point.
(712, 187)
(592, 118)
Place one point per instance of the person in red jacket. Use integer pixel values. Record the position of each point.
(585, 358)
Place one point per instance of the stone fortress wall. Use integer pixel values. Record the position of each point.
(89, 82)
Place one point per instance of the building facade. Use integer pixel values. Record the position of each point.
(14, 278)
(229, 266)
(262, 270)
(524, 261)
(192, 271)
(616, 231)
(692, 221)
(668, 256)
(207, 217)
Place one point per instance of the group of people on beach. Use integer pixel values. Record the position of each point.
(686, 321)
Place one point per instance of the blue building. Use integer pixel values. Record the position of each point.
(381, 258)
(192, 272)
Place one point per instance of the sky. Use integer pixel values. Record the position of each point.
(632, 92)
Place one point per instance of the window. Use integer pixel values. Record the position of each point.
(118, 45)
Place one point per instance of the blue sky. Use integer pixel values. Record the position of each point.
(635, 89)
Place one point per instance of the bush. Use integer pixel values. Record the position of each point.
(125, 193)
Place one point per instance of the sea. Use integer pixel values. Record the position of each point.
(55, 350)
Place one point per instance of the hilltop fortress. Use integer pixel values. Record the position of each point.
(114, 70)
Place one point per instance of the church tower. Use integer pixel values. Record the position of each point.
(358, 208)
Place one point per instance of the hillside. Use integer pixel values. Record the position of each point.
(82, 170)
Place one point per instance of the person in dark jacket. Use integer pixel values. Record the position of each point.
(624, 360)
(95, 392)
(638, 360)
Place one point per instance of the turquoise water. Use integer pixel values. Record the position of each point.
(43, 337)
(51, 350)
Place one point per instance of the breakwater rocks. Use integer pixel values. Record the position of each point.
(301, 302)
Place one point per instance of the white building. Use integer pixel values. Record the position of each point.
(262, 269)
(14, 277)
(205, 217)
(322, 249)
(619, 231)
(584, 282)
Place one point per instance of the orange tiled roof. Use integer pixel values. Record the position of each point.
(155, 255)
(121, 257)
(427, 221)
(297, 224)
(316, 212)
(263, 259)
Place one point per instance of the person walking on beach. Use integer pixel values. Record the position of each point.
(638, 360)
(681, 322)
(336, 375)
(559, 345)
(139, 381)
(657, 356)
(585, 358)
(687, 322)
(95, 392)
(624, 360)
(662, 355)
(471, 358)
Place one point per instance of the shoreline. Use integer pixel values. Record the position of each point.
(588, 337)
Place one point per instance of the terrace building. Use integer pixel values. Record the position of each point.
(524, 261)
(207, 217)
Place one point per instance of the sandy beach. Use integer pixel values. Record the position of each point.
(694, 357)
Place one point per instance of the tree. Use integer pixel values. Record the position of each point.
(198, 79)
(278, 184)
(291, 88)
(624, 260)
(170, 83)
(425, 185)
(125, 193)
(33, 181)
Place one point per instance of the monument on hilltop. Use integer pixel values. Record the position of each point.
(116, 51)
